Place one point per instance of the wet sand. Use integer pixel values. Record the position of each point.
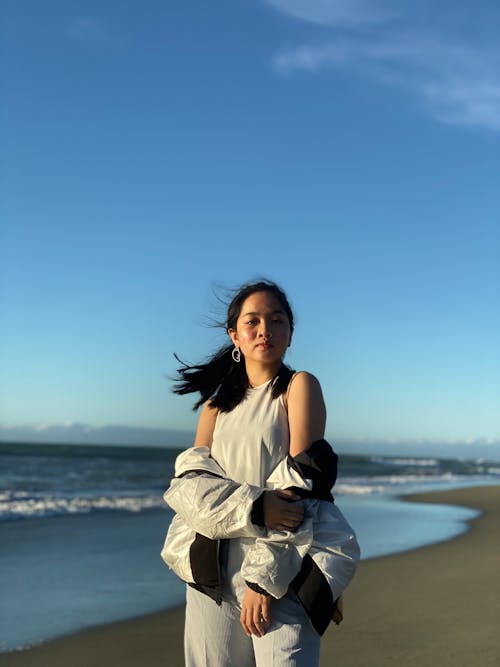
(434, 606)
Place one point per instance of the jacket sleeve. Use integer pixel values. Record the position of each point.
(207, 501)
(275, 559)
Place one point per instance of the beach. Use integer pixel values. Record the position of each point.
(436, 605)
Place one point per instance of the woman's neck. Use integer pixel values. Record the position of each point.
(258, 374)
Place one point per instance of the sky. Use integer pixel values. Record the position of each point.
(157, 154)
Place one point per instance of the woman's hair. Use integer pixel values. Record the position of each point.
(220, 379)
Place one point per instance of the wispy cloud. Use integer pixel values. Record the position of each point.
(88, 31)
(337, 12)
(457, 81)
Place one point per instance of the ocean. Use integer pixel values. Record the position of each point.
(81, 528)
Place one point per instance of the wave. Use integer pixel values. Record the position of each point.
(410, 483)
(349, 489)
(57, 481)
(425, 463)
(20, 505)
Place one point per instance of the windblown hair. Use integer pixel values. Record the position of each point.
(220, 380)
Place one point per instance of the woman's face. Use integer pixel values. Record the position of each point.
(262, 330)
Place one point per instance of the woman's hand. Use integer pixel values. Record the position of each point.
(255, 614)
(280, 513)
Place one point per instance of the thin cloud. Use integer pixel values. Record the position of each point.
(455, 84)
(456, 79)
(337, 12)
(465, 102)
(88, 31)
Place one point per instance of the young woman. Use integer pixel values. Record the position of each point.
(256, 534)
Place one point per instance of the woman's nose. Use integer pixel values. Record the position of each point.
(265, 330)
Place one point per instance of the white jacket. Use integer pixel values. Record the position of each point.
(317, 561)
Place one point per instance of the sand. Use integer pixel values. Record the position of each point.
(437, 606)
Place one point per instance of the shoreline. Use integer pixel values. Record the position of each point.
(437, 604)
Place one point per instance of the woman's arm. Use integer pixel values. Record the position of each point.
(306, 412)
(206, 426)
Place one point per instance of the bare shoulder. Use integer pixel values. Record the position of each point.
(206, 426)
(304, 383)
(208, 409)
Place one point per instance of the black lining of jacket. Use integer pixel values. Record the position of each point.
(204, 556)
(314, 594)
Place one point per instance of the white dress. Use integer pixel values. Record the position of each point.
(253, 438)
(248, 443)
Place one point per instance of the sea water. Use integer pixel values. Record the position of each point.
(81, 528)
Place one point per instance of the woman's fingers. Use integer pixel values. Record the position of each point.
(292, 516)
(258, 627)
(247, 623)
(266, 611)
(281, 514)
(255, 614)
(295, 512)
(243, 621)
(287, 494)
(253, 622)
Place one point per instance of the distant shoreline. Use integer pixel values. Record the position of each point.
(72, 448)
(157, 438)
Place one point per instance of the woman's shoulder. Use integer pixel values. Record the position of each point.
(303, 379)
(302, 383)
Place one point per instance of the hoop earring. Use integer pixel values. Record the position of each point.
(236, 354)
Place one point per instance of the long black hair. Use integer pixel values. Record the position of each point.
(220, 380)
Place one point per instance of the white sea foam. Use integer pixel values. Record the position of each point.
(425, 463)
(18, 507)
(357, 490)
(402, 484)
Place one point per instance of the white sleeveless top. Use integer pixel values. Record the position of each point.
(250, 441)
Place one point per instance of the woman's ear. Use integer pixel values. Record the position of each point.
(232, 333)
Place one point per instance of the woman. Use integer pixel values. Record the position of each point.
(252, 497)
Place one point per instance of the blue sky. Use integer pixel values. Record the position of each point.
(347, 150)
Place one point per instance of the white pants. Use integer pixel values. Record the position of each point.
(213, 635)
